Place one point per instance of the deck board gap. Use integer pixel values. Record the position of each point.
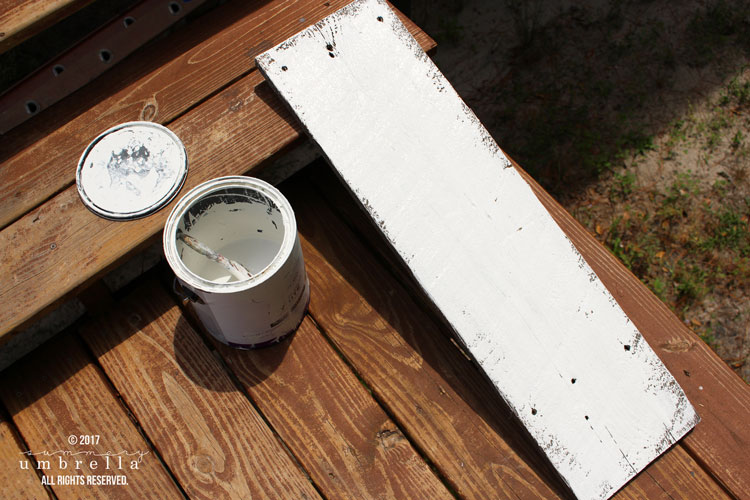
(238, 385)
(211, 95)
(703, 465)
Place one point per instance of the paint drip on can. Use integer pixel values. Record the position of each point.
(248, 222)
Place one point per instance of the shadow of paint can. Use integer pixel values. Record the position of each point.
(249, 221)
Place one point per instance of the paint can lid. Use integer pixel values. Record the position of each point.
(131, 170)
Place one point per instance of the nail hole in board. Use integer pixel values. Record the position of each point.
(329, 47)
(331, 54)
(573, 381)
(284, 68)
(586, 417)
(626, 347)
(105, 55)
(380, 18)
(57, 69)
(533, 411)
(32, 107)
(174, 7)
(128, 21)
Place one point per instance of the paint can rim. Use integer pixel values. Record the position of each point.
(190, 278)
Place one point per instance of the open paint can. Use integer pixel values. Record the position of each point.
(248, 222)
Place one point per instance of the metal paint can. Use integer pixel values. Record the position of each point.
(251, 222)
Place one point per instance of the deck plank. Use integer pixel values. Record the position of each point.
(16, 482)
(346, 442)
(56, 393)
(61, 246)
(207, 432)
(381, 330)
(157, 83)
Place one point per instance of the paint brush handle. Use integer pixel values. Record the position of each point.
(235, 268)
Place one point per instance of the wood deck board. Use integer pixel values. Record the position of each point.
(59, 393)
(158, 83)
(22, 19)
(345, 441)
(207, 432)
(341, 265)
(16, 482)
(61, 246)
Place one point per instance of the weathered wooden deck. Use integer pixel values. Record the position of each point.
(371, 398)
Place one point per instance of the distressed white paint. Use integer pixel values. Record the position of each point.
(511, 284)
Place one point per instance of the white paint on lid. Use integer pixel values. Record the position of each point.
(131, 170)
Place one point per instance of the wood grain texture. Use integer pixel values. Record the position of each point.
(88, 59)
(22, 19)
(678, 476)
(157, 83)
(518, 294)
(345, 441)
(61, 246)
(56, 393)
(207, 432)
(15, 482)
(436, 393)
(722, 398)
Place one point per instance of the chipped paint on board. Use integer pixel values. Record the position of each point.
(518, 294)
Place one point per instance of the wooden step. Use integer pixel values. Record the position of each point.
(89, 58)
(60, 247)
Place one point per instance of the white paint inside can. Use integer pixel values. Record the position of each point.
(250, 222)
(237, 222)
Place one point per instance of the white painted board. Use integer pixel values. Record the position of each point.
(550, 336)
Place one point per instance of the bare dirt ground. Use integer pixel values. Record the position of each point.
(635, 115)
